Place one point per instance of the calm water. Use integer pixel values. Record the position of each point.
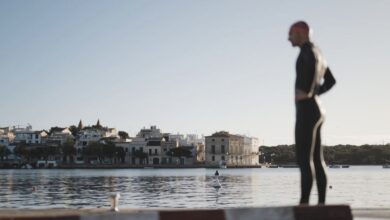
(185, 188)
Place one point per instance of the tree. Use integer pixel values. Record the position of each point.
(98, 125)
(74, 130)
(123, 135)
(121, 154)
(109, 150)
(22, 151)
(80, 126)
(94, 149)
(4, 152)
(68, 150)
(141, 155)
(44, 152)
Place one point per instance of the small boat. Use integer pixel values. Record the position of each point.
(334, 166)
(272, 166)
(345, 166)
(386, 166)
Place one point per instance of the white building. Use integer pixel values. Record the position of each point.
(84, 137)
(28, 136)
(153, 132)
(60, 136)
(153, 149)
(229, 149)
(6, 136)
(195, 139)
(189, 139)
(109, 132)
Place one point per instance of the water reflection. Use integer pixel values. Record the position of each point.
(181, 188)
(64, 188)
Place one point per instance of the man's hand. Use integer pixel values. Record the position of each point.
(300, 95)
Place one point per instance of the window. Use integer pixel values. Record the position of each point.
(223, 140)
(155, 151)
(213, 139)
(133, 150)
(213, 149)
(223, 149)
(127, 149)
(213, 158)
(223, 158)
(150, 151)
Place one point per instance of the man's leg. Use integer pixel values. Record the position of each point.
(319, 165)
(303, 147)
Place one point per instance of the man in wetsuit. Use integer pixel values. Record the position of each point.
(313, 78)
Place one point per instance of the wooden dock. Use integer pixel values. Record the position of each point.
(329, 212)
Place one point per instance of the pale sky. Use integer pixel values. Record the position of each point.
(192, 66)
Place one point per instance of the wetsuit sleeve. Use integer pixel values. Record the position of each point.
(328, 83)
(306, 70)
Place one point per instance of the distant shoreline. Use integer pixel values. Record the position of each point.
(129, 166)
(166, 166)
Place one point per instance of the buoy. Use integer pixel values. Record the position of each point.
(33, 189)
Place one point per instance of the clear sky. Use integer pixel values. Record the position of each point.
(192, 66)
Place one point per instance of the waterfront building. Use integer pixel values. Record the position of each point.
(92, 134)
(189, 139)
(28, 136)
(134, 148)
(167, 147)
(59, 136)
(231, 150)
(153, 149)
(6, 136)
(195, 139)
(152, 132)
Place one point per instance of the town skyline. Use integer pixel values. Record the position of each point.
(192, 67)
(199, 135)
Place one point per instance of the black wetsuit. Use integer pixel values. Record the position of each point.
(313, 78)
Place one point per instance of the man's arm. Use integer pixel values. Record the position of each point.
(329, 82)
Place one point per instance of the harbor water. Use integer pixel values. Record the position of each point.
(358, 186)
